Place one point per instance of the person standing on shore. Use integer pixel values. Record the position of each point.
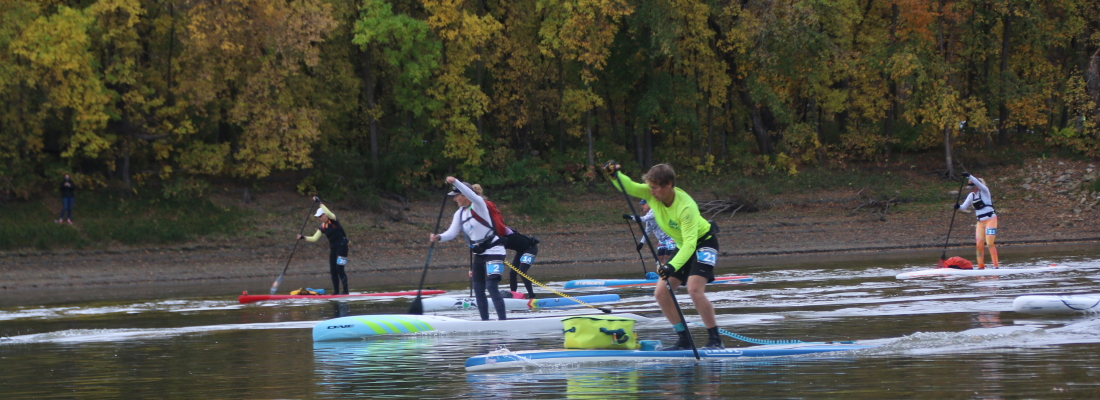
(985, 231)
(526, 248)
(666, 247)
(486, 245)
(67, 199)
(677, 215)
(337, 244)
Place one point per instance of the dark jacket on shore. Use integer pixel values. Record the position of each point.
(67, 188)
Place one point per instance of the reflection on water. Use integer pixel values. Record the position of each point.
(939, 338)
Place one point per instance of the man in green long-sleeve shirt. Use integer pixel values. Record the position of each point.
(678, 216)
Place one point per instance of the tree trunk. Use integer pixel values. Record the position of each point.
(1002, 128)
(126, 169)
(947, 152)
(480, 65)
(647, 145)
(561, 110)
(639, 146)
(368, 74)
(1092, 82)
(820, 153)
(588, 132)
(759, 130)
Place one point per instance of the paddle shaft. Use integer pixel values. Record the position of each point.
(275, 285)
(639, 251)
(943, 255)
(417, 306)
(671, 292)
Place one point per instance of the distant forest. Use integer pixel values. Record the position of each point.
(376, 95)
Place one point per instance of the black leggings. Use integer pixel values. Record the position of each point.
(336, 270)
(522, 245)
(491, 282)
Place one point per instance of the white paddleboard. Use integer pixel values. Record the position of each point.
(365, 326)
(988, 271)
(1057, 304)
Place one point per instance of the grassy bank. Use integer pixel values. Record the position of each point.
(102, 219)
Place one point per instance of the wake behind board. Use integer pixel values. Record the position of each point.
(939, 272)
(508, 360)
(1060, 304)
(250, 298)
(365, 326)
(436, 304)
(617, 283)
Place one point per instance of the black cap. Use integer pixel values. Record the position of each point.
(454, 190)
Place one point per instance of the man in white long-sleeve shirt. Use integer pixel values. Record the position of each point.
(666, 246)
(985, 232)
(488, 248)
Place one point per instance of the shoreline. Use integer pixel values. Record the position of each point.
(1038, 206)
(229, 282)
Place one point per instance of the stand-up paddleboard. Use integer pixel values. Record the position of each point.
(250, 298)
(508, 360)
(436, 304)
(364, 326)
(937, 272)
(1059, 304)
(617, 283)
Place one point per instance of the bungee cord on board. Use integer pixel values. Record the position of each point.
(521, 273)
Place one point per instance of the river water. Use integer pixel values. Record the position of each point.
(938, 338)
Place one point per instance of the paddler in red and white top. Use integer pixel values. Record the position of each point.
(488, 248)
(985, 232)
(678, 216)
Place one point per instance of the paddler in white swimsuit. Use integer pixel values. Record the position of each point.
(488, 248)
(666, 246)
(985, 232)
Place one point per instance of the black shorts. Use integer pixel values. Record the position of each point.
(702, 262)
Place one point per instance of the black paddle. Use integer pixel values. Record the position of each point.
(671, 293)
(275, 286)
(636, 248)
(417, 307)
(943, 255)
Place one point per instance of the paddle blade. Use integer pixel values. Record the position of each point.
(417, 307)
(275, 286)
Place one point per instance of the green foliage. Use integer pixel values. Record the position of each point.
(392, 95)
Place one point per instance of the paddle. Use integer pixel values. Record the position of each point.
(638, 249)
(671, 293)
(943, 255)
(417, 307)
(275, 286)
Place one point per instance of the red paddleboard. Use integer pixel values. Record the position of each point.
(251, 298)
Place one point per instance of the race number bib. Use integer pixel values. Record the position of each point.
(341, 260)
(494, 267)
(707, 256)
(527, 259)
(991, 232)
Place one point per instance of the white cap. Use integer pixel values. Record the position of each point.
(320, 212)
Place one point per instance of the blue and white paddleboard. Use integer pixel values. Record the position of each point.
(436, 304)
(1061, 304)
(365, 326)
(504, 359)
(617, 283)
(941, 272)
